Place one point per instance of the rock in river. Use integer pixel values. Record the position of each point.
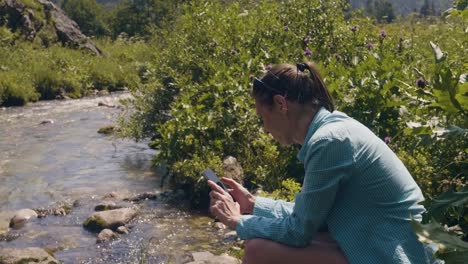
(106, 235)
(26, 255)
(21, 217)
(111, 219)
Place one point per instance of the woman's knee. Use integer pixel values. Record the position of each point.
(254, 250)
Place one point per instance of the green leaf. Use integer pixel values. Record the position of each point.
(448, 199)
(435, 233)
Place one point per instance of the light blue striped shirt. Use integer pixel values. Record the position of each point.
(356, 186)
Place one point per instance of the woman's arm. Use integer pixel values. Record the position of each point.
(328, 162)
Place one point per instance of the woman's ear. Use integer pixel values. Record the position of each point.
(281, 102)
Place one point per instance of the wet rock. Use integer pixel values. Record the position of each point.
(26, 255)
(111, 219)
(21, 216)
(47, 121)
(106, 235)
(105, 104)
(208, 258)
(233, 170)
(142, 196)
(230, 236)
(60, 209)
(122, 230)
(107, 205)
(107, 130)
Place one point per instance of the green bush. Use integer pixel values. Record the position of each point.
(16, 89)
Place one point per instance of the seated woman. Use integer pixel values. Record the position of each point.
(355, 188)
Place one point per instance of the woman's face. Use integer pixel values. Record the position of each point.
(274, 121)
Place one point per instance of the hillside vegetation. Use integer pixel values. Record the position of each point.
(190, 65)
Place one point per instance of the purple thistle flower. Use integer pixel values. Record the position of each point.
(369, 45)
(387, 140)
(307, 52)
(307, 39)
(421, 83)
(354, 29)
(383, 34)
(286, 28)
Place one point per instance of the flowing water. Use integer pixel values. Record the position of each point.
(66, 160)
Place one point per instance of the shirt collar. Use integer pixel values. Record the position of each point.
(314, 125)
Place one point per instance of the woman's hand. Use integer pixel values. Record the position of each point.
(223, 207)
(245, 199)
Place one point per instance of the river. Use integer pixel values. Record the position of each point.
(66, 160)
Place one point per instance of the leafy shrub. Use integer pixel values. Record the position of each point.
(15, 89)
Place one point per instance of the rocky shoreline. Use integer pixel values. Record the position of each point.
(112, 219)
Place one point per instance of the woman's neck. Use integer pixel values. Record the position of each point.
(302, 116)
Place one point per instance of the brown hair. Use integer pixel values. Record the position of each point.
(301, 83)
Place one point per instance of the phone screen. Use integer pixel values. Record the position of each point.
(210, 175)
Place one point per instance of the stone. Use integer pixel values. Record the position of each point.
(47, 121)
(122, 230)
(142, 196)
(205, 257)
(5, 218)
(27, 23)
(106, 130)
(230, 236)
(110, 219)
(233, 169)
(105, 104)
(26, 255)
(220, 225)
(106, 235)
(202, 256)
(106, 205)
(21, 217)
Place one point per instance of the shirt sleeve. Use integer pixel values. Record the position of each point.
(271, 208)
(328, 162)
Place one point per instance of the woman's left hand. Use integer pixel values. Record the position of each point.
(223, 207)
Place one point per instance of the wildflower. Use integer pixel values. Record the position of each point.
(421, 83)
(354, 29)
(286, 28)
(268, 67)
(387, 140)
(369, 45)
(307, 39)
(307, 52)
(383, 34)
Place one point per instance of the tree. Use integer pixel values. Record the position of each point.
(88, 14)
(383, 11)
(427, 8)
(135, 17)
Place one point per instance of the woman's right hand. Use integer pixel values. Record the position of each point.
(245, 199)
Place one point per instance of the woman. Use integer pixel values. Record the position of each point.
(357, 198)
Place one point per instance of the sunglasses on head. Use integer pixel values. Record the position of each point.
(259, 83)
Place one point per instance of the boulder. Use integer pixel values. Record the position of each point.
(23, 18)
(67, 30)
(5, 218)
(106, 235)
(20, 217)
(233, 170)
(26, 255)
(110, 219)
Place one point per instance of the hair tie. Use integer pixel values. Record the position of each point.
(302, 66)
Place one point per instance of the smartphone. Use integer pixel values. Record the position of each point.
(210, 175)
